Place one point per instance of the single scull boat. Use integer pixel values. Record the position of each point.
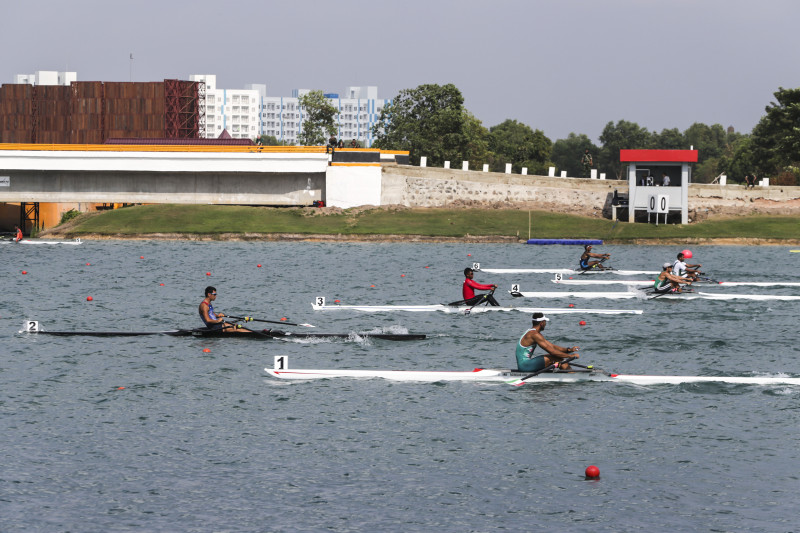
(465, 310)
(566, 271)
(28, 241)
(650, 282)
(672, 295)
(218, 333)
(505, 375)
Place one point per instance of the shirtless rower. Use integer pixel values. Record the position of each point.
(585, 261)
(669, 282)
(527, 362)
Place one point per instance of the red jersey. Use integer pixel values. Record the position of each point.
(467, 290)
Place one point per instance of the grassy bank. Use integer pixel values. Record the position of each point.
(218, 220)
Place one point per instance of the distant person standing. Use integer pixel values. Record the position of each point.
(587, 163)
(664, 179)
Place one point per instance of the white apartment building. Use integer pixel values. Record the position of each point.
(249, 112)
(233, 110)
(46, 77)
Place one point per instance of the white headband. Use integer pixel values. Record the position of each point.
(543, 319)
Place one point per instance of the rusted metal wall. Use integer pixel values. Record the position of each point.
(89, 112)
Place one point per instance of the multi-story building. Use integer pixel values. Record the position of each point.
(46, 77)
(249, 112)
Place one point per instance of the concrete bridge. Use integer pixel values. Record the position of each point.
(87, 175)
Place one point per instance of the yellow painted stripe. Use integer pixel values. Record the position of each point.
(355, 164)
(160, 148)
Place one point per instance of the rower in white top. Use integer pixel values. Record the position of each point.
(681, 269)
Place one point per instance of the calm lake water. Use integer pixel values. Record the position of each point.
(156, 434)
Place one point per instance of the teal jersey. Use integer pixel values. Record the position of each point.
(660, 284)
(526, 361)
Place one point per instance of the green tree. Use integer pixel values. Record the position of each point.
(567, 153)
(623, 135)
(776, 138)
(269, 140)
(476, 141)
(669, 140)
(709, 141)
(318, 115)
(519, 144)
(428, 120)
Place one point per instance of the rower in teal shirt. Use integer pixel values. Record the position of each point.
(527, 362)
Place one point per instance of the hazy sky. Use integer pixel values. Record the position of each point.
(560, 66)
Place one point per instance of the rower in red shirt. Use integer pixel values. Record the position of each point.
(468, 290)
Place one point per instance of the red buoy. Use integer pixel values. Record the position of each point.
(592, 472)
(582, 322)
(687, 254)
(208, 273)
(24, 271)
(89, 298)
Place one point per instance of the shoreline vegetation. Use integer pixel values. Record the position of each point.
(402, 224)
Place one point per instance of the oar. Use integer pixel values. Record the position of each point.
(251, 319)
(521, 381)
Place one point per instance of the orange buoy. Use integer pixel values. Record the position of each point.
(89, 298)
(206, 350)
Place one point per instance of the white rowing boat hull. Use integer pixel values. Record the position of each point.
(471, 310)
(650, 282)
(504, 375)
(27, 241)
(613, 295)
(567, 271)
(671, 296)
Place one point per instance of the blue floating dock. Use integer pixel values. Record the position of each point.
(564, 241)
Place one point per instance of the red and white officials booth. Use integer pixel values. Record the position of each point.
(658, 181)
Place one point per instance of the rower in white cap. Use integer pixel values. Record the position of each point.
(669, 282)
(527, 362)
